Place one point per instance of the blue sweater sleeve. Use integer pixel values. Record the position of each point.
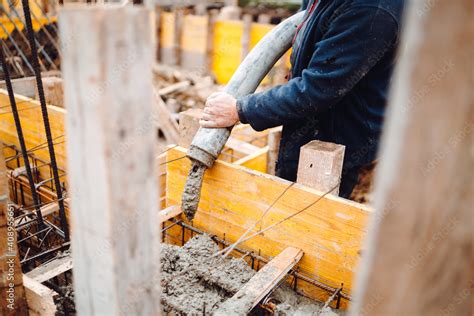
(354, 42)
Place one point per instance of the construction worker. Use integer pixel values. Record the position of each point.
(342, 60)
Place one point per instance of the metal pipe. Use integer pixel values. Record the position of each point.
(208, 142)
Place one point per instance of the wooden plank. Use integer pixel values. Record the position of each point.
(114, 191)
(193, 42)
(188, 126)
(29, 111)
(233, 198)
(261, 284)
(13, 300)
(273, 141)
(226, 50)
(256, 161)
(166, 122)
(22, 86)
(320, 166)
(53, 91)
(51, 269)
(174, 87)
(39, 297)
(420, 257)
(241, 146)
(168, 213)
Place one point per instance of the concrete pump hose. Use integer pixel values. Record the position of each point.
(208, 143)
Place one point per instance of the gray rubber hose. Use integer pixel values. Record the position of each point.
(208, 143)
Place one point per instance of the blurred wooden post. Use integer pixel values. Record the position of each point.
(12, 292)
(111, 158)
(419, 250)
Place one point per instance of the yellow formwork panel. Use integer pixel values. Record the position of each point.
(9, 26)
(36, 11)
(258, 31)
(226, 49)
(194, 34)
(167, 27)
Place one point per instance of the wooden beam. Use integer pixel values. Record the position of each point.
(39, 297)
(261, 284)
(168, 213)
(13, 301)
(241, 146)
(22, 86)
(320, 166)
(29, 110)
(111, 156)
(256, 161)
(166, 122)
(419, 258)
(188, 126)
(53, 91)
(273, 142)
(233, 198)
(51, 269)
(174, 87)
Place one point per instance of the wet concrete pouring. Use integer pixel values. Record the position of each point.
(194, 282)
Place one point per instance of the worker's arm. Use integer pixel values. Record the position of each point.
(354, 42)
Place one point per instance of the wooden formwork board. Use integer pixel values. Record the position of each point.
(29, 111)
(330, 233)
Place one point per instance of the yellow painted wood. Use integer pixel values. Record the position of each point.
(194, 34)
(29, 111)
(233, 197)
(226, 49)
(167, 27)
(256, 161)
(258, 31)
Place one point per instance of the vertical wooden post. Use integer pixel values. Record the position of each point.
(419, 250)
(320, 166)
(273, 142)
(107, 70)
(12, 292)
(188, 126)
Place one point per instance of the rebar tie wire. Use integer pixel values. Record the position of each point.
(21, 139)
(44, 111)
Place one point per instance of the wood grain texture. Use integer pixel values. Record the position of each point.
(29, 111)
(12, 292)
(273, 141)
(111, 151)
(320, 166)
(256, 161)
(419, 259)
(51, 269)
(233, 198)
(39, 297)
(261, 283)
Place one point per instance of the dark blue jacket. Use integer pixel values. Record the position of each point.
(341, 68)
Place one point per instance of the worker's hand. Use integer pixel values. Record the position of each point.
(220, 111)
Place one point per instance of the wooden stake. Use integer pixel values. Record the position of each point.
(111, 158)
(273, 141)
(320, 166)
(419, 257)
